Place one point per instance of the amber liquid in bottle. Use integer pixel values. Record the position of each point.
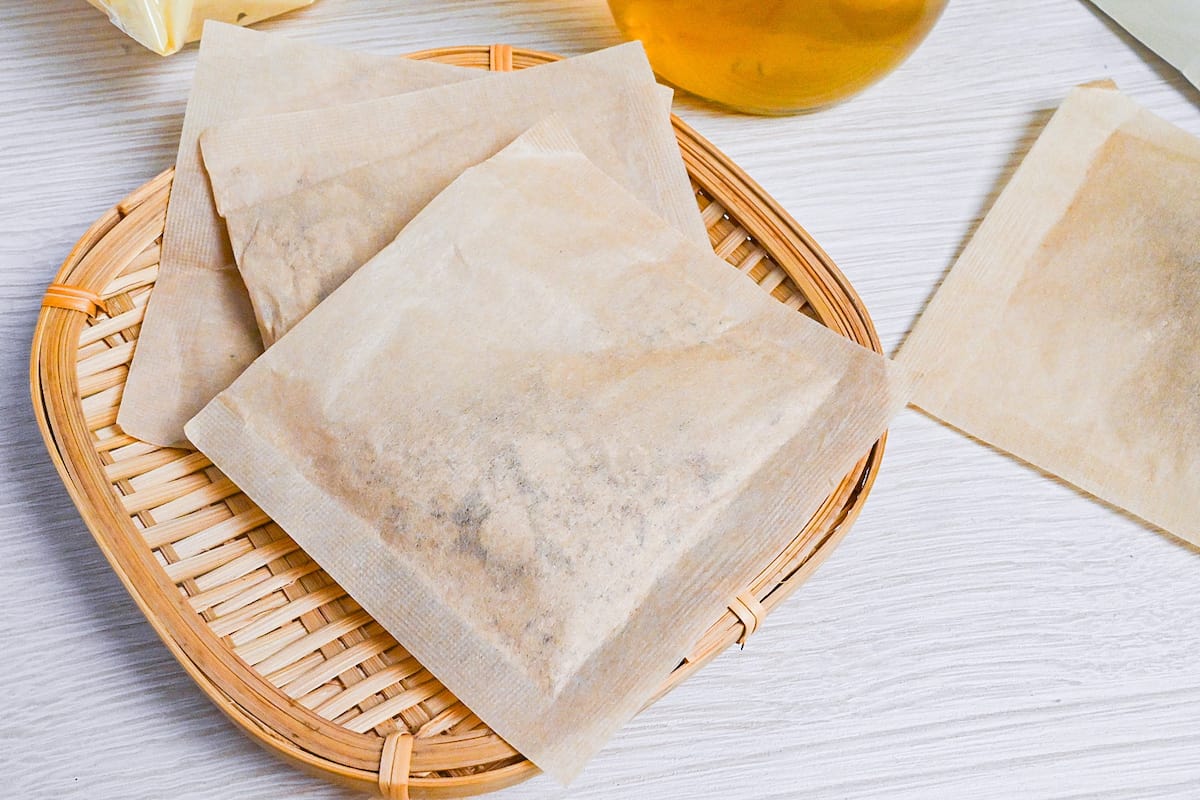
(776, 56)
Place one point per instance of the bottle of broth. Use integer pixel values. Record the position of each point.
(776, 56)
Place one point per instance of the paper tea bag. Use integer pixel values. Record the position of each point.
(545, 448)
(1068, 333)
(259, 160)
(294, 249)
(199, 331)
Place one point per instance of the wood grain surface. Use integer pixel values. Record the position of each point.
(984, 632)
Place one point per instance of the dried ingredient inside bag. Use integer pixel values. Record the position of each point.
(199, 331)
(388, 158)
(555, 449)
(1068, 333)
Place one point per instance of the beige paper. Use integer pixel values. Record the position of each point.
(1068, 333)
(258, 160)
(199, 331)
(545, 449)
(295, 249)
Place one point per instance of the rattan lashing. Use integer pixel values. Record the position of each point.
(263, 631)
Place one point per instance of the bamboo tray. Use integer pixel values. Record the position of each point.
(272, 640)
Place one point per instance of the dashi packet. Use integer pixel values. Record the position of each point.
(377, 163)
(199, 331)
(1068, 332)
(544, 438)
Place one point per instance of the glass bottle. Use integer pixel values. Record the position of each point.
(776, 56)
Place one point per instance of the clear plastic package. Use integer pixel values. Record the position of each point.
(165, 26)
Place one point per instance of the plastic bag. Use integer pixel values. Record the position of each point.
(165, 26)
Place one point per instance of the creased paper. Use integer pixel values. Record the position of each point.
(1068, 333)
(199, 331)
(390, 157)
(545, 449)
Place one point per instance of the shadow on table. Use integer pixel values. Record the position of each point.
(1164, 70)
(77, 41)
(1181, 543)
(1033, 129)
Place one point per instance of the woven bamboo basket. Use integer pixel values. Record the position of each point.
(266, 634)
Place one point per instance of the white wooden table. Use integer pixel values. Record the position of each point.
(985, 632)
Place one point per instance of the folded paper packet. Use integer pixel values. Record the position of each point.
(262, 159)
(1068, 333)
(199, 331)
(544, 439)
(295, 248)
(1170, 28)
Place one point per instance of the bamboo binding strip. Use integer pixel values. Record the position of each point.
(59, 295)
(274, 642)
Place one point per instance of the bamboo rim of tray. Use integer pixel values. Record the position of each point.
(340, 698)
